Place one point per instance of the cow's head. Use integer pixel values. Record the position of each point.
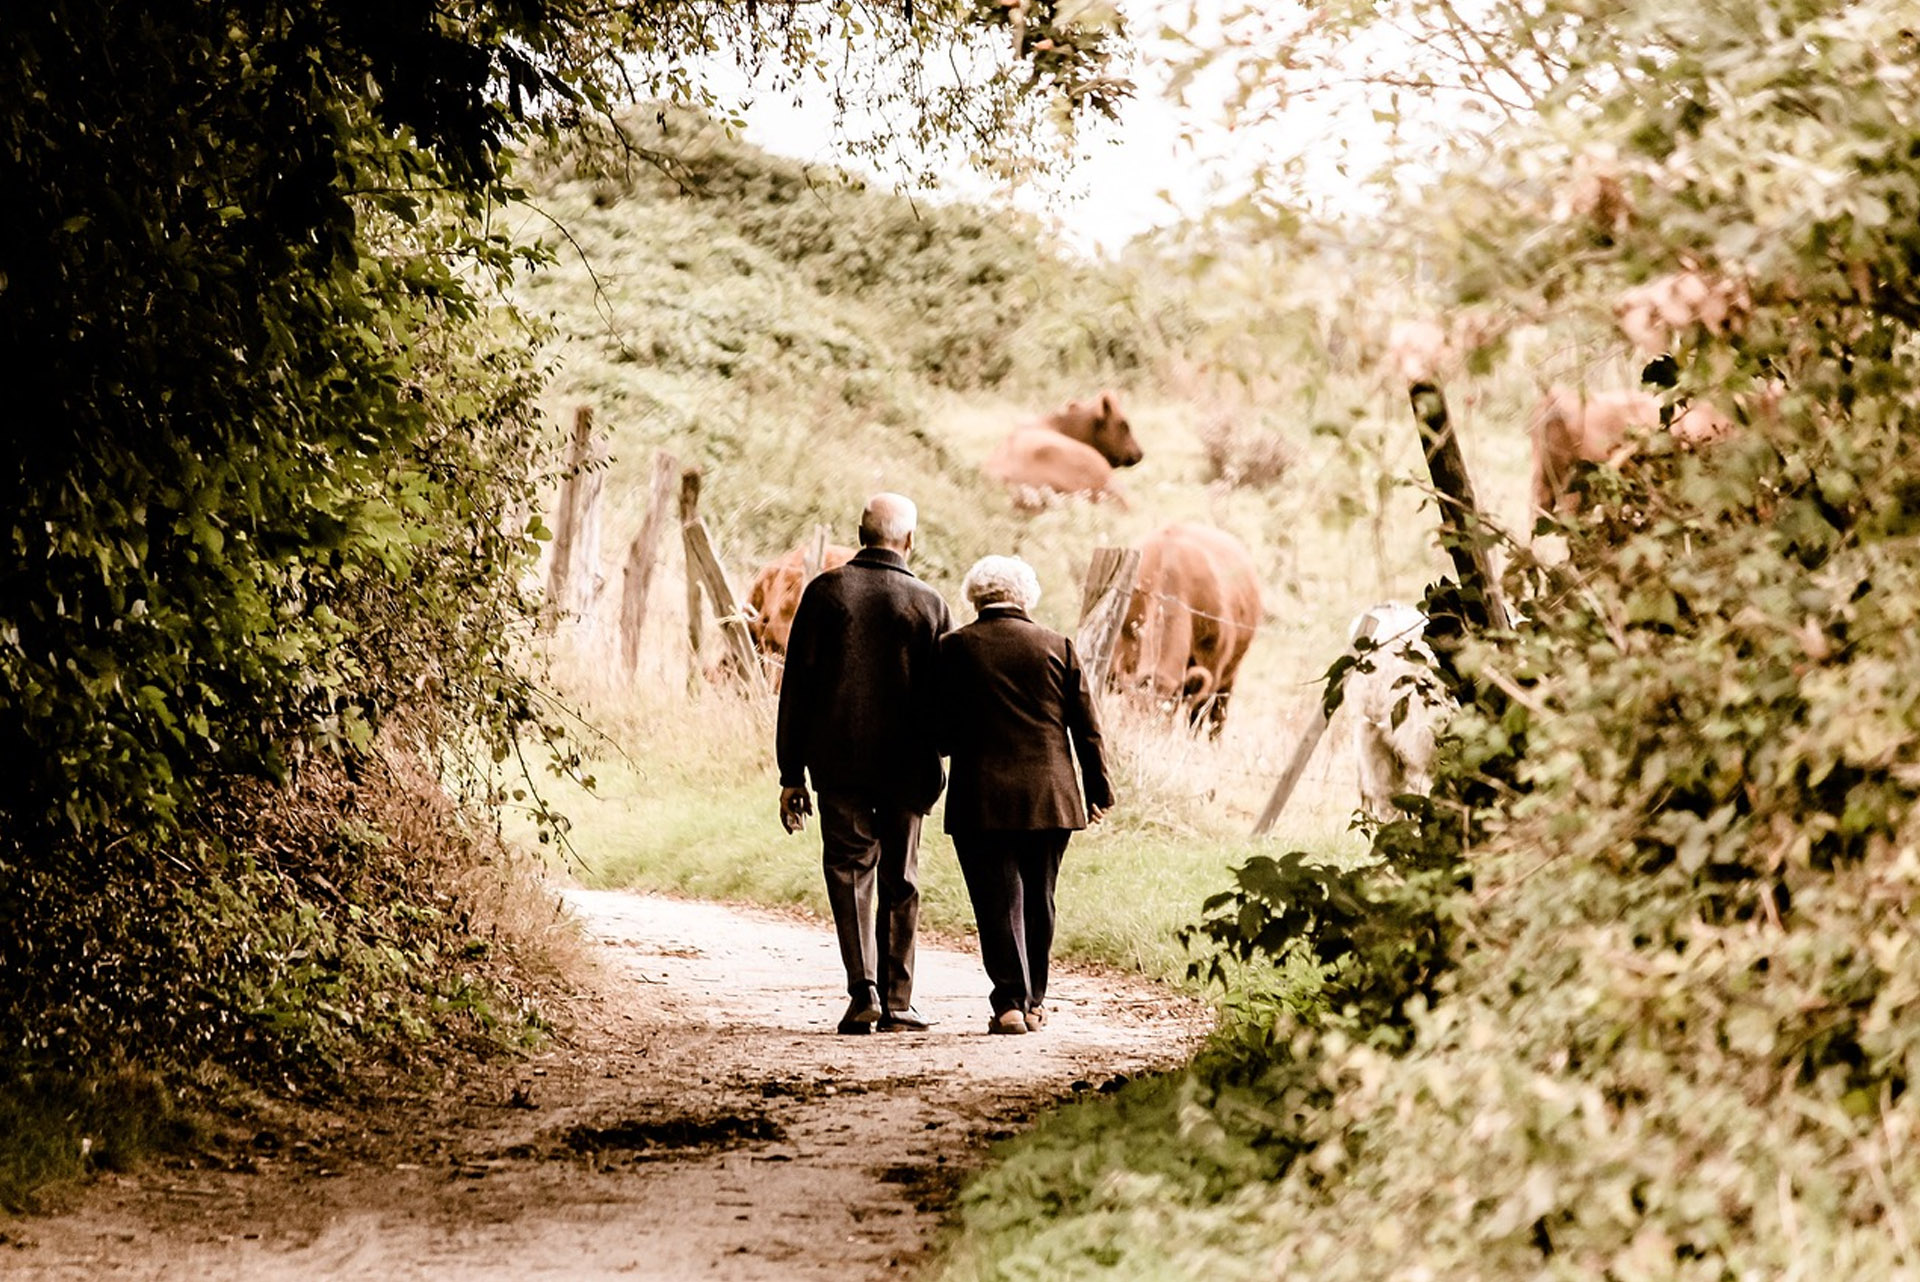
(1112, 435)
(1100, 424)
(1137, 670)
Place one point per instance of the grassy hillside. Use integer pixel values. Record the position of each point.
(806, 341)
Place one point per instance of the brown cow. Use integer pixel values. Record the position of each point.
(773, 598)
(1193, 613)
(1038, 465)
(1040, 462)
(1568, 428)
(1655, 315)
(1098, 423)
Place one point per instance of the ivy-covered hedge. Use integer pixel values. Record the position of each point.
(266, 428)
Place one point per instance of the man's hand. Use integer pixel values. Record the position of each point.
(795, 806)
(1096, 813)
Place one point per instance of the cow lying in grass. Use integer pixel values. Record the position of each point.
(1071, 452)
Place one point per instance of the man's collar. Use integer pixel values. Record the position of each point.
(887, 557)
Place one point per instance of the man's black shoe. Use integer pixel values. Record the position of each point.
(862, 1014)
(906, 1019)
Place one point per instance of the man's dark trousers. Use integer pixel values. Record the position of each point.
(865, 848)
(1010, 879)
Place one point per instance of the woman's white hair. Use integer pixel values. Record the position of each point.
(997, 580)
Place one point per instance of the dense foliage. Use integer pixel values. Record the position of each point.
(272, 444)
(1672, 1032)
(258, 477)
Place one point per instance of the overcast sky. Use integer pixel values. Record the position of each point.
(1136, 176)
(1163, 162)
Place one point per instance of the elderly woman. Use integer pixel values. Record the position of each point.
(1015, 710)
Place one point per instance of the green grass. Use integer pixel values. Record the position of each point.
(693, 813)
(55, 1128)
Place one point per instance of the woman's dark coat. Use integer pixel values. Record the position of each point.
(1014, 711)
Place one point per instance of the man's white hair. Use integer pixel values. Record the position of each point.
(997, 580)
(888, 520)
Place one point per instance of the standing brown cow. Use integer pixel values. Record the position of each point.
(775, 595)
(1194, 610)
(1072, 451)
(1568, 428)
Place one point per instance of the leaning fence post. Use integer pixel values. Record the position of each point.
(1462, 527)
(1103, 608)
(704, 571)
(1462, 531)
(1296, 766)
(642, 554)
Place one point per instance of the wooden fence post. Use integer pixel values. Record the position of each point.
(1462, 530)
(1462, 527)
(1296, 766)
(815, 557)
(1103, 608)
(704, 571)
(642, 554)
(576, 544)
(689, 513)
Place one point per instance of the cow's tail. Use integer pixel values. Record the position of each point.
(1200, 684)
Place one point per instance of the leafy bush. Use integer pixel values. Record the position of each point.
(970, 298)
(1670, 1030)
(1238, 455)
(260, 507)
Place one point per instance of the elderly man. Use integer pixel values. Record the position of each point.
(1015, 713)
(856, 713)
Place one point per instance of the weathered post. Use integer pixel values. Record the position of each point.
(1103, 608)
(1296, 766)
(815, 557)
(689, 513)
(642, 555)
(704, 571)
(1463, 531)
(1462, 527)
(571, 577)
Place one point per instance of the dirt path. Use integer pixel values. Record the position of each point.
(700, 1119)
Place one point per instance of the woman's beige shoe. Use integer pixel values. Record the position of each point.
(1036, 1019)
(1008, 1021)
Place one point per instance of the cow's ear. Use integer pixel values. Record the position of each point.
(1109, 408)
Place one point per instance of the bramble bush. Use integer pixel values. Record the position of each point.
(1670, 1033)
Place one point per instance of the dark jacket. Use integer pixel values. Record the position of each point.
(1014, 710)
(856, 699)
